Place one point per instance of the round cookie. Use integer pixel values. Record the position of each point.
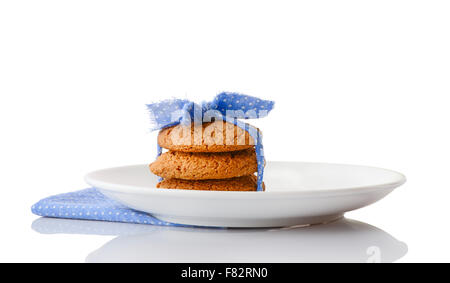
(244, 183)
(217, 136)
(202, 165)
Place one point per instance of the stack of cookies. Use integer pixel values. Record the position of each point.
(216, 156)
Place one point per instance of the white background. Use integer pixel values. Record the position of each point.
(359, 82)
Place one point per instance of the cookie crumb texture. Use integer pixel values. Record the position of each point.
(217, 136)
(202, 166)
(244, 183)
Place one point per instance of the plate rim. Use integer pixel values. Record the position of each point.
(120, 188)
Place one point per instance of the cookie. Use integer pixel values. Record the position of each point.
(244, 183)
(218, 136)
(202, 165)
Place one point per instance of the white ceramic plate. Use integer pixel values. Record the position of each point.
(297, 193)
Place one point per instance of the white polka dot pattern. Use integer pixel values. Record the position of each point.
(90, 204)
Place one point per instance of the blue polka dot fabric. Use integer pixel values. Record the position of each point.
(227, 106)
(90, 204)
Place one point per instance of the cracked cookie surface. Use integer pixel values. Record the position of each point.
(218, 136)
(244, 183)
(202, 165)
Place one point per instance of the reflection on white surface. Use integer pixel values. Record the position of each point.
(342, 241)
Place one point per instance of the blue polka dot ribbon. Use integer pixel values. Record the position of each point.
(226, 106)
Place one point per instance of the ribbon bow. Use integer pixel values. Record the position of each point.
(227, 106)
